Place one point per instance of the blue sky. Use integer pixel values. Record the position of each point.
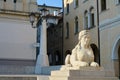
(57, 3)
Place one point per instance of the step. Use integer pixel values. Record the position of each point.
(83, 78)
(78, 73)
(24, 77)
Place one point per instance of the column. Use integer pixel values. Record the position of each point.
(42, 59)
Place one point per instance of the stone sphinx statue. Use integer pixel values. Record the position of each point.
(82, 55)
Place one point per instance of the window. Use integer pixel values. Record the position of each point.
(117, 2)
(76, 3)
(92, 20)
(67, 30)
(84, 1)
(103, 5)
(76, 25)
(86, 20)
(14, 1)
(14, 4)
(67, 8)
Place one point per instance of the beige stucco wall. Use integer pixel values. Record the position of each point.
(109, 35)
(17, 40)
(17, 37)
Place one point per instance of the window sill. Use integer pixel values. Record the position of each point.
(76, 7)
(76, 33)
(103, 11)
(85, 1)
(66, 37)
(66, 13)
(91, 27)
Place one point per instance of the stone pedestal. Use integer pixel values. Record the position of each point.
(84, 73)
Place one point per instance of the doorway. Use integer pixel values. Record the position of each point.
(96, 53)
(116, 58)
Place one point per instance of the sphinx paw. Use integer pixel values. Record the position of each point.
(94, 64)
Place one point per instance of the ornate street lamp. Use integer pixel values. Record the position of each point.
(32, 19)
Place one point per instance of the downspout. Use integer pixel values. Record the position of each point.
(98, 30)
(63, 32)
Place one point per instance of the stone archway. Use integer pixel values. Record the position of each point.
(116, 57)
(96, 53)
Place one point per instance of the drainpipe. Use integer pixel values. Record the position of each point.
(98, 29)
(63, 33)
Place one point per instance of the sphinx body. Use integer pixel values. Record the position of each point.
(82, 55)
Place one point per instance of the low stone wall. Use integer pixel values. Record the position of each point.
(16, 69)
(24, 77)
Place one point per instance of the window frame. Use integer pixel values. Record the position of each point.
(117, 2)
(76, 28)
(86, 20)
(67, 8)
(76, 3)
(103, 5)
(67, 30)
(4, 0)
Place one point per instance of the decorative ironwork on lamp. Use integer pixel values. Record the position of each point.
(32, 19)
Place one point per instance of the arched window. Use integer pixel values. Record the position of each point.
(67, 9)
(92, 18)
(76, 3)
(85, 20)
(76, 25)
(4, 0)
(14, 1)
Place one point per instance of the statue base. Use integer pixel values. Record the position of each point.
(83, 73)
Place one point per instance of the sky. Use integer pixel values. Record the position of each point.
(56, 3)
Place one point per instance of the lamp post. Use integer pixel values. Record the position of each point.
(42, 58)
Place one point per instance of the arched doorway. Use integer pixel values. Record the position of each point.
(96, 53)
(116, 58)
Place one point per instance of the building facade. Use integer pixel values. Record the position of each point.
(101, 18)
(109, 27)
(17, 37)
(80, 15)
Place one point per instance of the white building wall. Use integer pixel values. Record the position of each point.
(17, 39)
